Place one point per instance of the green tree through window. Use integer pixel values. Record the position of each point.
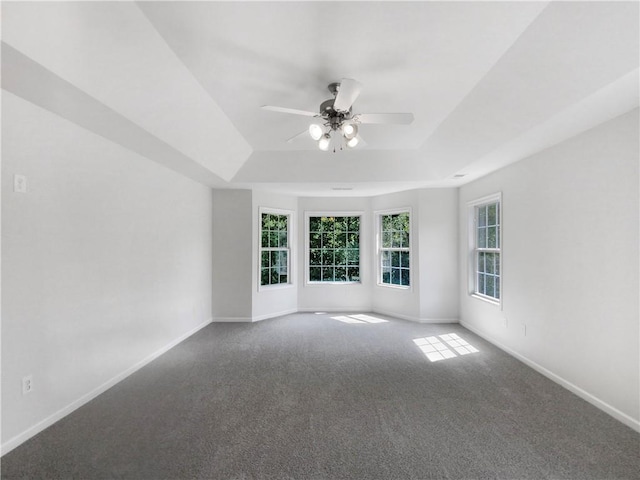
(334, 249)
(274, 249)
(487, 251)
(395, 249)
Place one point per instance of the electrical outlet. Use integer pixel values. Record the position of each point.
(27, 384)
(20, 184)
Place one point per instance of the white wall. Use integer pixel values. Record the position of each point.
(433, 295)
(233, 255)
(106, 262)
(438, 237)
(337, 297)
(272, 301)
(570, 264)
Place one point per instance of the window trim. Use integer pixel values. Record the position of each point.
(290, 270)
(378, 223)
(472, 248)
(329, 213)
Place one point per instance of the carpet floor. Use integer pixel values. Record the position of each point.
(325, 396)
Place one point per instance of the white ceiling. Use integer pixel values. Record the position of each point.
(489, 83)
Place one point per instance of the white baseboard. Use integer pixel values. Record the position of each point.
(232, 320)
(63, 412)
(592, 399)
(415, 319)
(334, 310)
(267, 316)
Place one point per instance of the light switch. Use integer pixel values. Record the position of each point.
(20, 184)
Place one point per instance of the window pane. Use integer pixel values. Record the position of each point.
(404, 259)
(315, 224)
(340, 240)
(282, 222)
(491, 212)
(482, 237)
(404, 240)
(264, 262)
(386, 259)
(273, 239)
(492, 237)
(488, 258)
(315, 257)
(327, 274)
(264, 276)
(353, 256)
(498, 236)
(315, 240)
(396, 239)
(328, 224)
(282, 263)
(386, 275)
(395, 259)
(327, 239)
(265, 238)
(327, 257)
(489, 284)
(386, 239)
(315, 274)
(498, 287)
(353, 274)
(265, 221)
(353, 224)
(340, 257)
(497, 264)
(481, 261)
(404, 277)
(395, 276)
(274, 258)
(387, 223)
(482, 216)
(481, 283)
(340, 274)
(282, 239)
(274, 276)
(353, 240)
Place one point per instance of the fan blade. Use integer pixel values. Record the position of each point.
(347, 94)
(304, 132)
(384, 118)
(290, 110)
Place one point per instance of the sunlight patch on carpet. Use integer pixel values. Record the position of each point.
(359, 318)
(436, 349)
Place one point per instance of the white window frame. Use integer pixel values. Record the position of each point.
(472, 262)
(378, 223)
(289, 249)
(332, 213)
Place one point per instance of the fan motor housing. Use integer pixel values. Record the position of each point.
(334, 117)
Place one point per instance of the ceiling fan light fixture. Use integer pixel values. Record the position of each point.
(323, 143)
(349, 130)
(353, 142)
(316, 131)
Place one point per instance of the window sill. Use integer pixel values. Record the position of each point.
(280, 286)
(316, 284)
(489, 300)
(396, 287)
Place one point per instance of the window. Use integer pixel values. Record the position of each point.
(486, 248)
(395, 249)
(334, 249)
(274, 248)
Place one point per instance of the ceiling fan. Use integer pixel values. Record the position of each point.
(336, 116)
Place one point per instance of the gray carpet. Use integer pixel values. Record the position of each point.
(307, 396)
